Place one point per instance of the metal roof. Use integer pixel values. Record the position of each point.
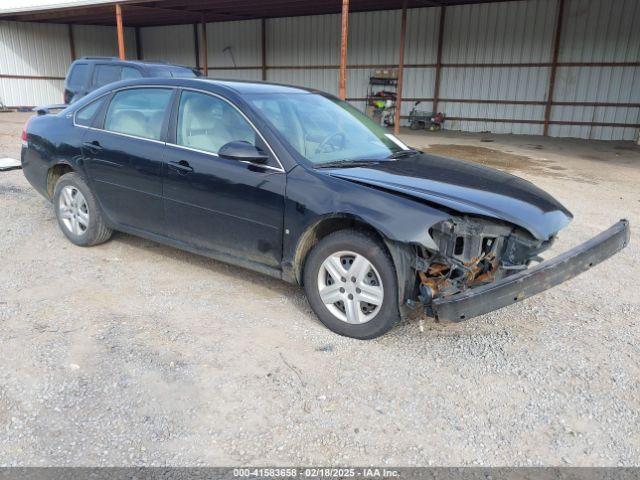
(39, 5)
(141, 13)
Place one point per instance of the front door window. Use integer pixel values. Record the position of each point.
(207, 123)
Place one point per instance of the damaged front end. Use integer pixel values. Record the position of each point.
(475, 254)
(471, 252)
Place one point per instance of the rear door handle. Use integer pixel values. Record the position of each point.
(182, 167)
(93, 146)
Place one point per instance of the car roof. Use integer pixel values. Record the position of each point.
(247, 86)
(240, 87)
(116, 60)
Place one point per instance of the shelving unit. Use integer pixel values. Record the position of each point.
(381, 96)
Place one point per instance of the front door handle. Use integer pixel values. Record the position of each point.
(182, 167)
(93, 146)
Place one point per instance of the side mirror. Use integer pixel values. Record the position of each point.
(243, 151)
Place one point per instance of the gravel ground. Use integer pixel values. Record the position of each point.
(132, 353)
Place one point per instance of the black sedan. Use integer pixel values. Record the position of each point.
(301, 186)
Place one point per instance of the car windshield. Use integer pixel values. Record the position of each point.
(325, 130)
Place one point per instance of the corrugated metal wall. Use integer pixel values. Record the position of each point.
(24, 53)
(233, 46)
(174, 44)
(42, 52)
(420, 49)
(305, 51)
(300, 42)
(503, 33)
(599, 31)
(518, 32)
(102, 41)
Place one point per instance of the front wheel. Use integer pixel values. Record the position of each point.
(350, 282)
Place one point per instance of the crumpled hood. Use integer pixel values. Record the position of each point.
(466, 188)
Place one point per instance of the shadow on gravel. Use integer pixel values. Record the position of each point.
(428, 329)
(278, 287)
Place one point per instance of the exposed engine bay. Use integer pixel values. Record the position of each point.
(472, 252)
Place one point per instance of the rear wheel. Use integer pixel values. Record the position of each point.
(350, 282)
(77, 210)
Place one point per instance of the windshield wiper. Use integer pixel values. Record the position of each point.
(347, 163)
(404, 153)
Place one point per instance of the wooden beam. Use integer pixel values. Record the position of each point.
(263, 34)
(403, 35)
(344, 36)
(554, 66)
(541, 122)
(72, 42)
(120, 30)
(359, 66)
(205, 54)
(139, 51)
(30, 77)
(196, 45)
(438, 73)
(511, 102)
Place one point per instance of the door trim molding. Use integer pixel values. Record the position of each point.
(191, 149)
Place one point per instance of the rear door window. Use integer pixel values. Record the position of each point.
(139, 112)
(78, 76)
(85, 115)
(105, 74)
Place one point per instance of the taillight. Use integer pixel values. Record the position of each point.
(24, 132)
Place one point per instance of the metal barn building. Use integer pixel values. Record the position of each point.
(567, 68)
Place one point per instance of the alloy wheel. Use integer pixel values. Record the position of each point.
(73, 210)
(350, 287)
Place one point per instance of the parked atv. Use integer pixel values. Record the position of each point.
(423, 120)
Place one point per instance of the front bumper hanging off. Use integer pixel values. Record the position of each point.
(512, 289)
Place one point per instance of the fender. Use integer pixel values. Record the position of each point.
(337, 198)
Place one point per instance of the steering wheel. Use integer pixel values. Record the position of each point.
(326, 145)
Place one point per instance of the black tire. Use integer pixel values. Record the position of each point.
(374, 251)
(97, 230)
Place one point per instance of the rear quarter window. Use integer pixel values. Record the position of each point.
(78, 75)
